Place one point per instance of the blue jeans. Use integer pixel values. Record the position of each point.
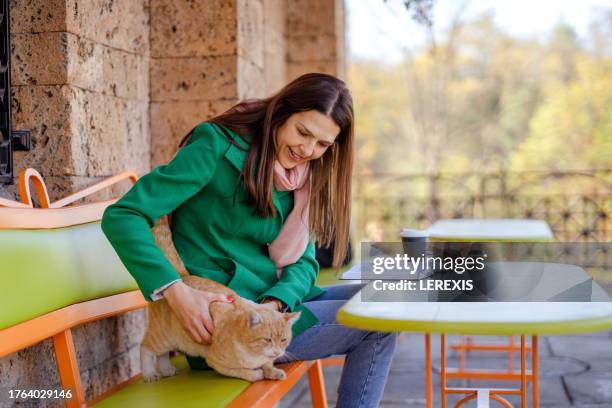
(368, 354)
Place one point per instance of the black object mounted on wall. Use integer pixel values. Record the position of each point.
(10, 140)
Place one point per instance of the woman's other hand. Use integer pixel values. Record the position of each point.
(278, 305)
(192, 308)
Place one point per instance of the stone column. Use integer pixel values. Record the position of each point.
(315, 37)
(205, 56)
(275, 44)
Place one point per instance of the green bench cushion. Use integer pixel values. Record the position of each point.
(47, 269)
(189, 388)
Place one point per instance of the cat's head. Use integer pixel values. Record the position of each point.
(267, 332)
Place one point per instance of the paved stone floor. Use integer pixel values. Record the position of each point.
(575, 371)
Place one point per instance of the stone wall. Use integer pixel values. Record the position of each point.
(207, 56)
(80, 83)
(275, 44)
(110, 85)
(193, 68)
(315, 37)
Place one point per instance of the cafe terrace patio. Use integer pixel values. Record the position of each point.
(97, 88)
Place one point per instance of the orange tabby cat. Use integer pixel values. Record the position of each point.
(248, 337)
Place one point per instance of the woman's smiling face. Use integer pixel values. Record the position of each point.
(304, 136)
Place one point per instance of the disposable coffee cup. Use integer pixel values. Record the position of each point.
(414, 244)
(411, 235)
(414, 241)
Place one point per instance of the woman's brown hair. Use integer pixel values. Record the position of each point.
(257, 120)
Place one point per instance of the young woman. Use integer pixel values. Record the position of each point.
(247, 189)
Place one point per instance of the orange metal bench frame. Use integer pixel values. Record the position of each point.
(58, 324)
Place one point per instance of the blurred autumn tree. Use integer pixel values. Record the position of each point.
(480, 124)
(479, 99)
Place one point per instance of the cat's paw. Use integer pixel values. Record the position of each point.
(168, 371)
(273, 373)
(151, 377)
(254, 375)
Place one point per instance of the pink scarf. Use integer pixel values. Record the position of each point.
(292, 239)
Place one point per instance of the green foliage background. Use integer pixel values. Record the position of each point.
(481, 100)
(481, 124)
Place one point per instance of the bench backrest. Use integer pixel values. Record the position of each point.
(58, 271)
(45, 270)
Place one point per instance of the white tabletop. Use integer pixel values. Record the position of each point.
(501, 318)
(495, 318)
(491, 229)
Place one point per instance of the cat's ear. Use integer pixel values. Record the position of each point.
(292, 317)
(254, 319)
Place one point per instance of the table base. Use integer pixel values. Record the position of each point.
(467, 345)
(484, 395)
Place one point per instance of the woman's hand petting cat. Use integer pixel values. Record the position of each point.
(277, 304)
(191, 307)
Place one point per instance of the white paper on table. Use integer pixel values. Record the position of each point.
(354, 273)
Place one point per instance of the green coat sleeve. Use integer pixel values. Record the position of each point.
(127, 223)
(297, 280)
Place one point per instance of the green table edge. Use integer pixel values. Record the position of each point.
(485, 328)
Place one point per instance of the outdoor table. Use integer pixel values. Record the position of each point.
(497, 230)
(484, 318)
(488, 230)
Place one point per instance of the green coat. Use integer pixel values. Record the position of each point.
(216, 232)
